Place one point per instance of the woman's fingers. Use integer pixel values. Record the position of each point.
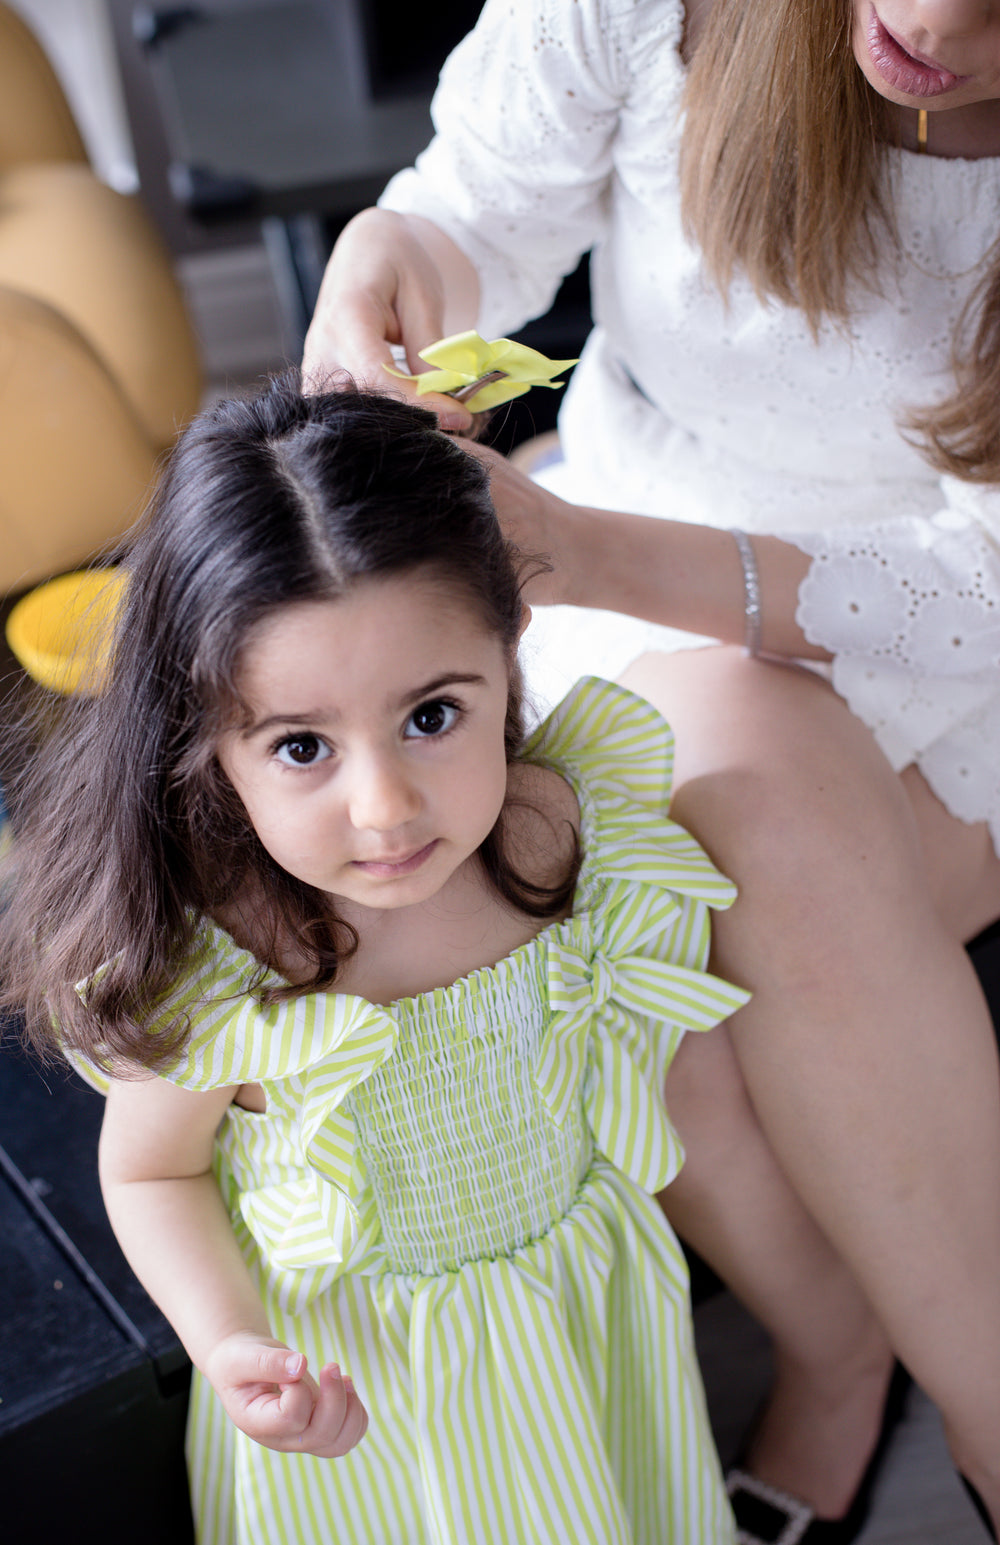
(376, 366)
(529, 516)
(350, 342)
(358, 348)
(381, 291)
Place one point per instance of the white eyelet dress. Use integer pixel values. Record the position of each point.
(558, 130)
(453, 1197)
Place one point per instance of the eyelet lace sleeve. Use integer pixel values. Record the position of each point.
(909, 609)
(526, 115)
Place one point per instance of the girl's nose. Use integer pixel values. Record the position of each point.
(382, 797)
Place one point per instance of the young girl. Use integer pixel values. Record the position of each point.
(383, 1000)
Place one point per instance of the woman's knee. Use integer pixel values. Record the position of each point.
(773, 757)
(961, 862)
(791, 796)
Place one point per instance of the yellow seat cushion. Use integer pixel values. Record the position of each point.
(68, 239)
(77, 462)
(36, 123)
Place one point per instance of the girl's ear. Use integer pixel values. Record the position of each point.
(525, 619)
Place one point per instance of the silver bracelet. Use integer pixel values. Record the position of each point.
(751, 591)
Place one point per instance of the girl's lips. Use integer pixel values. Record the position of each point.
(383, 868)
(914, 76)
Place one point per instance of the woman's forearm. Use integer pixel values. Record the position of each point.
(680, 575)
(665, 571)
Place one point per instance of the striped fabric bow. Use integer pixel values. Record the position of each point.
(619, 1020)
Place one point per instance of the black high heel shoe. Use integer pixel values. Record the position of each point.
(979, 1505)
(767, 1516)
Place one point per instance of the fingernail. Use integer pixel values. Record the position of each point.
(349, 1384)
(293, 1365)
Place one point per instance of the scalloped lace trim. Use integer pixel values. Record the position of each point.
(916, 637)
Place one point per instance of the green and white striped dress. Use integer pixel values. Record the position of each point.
(452, 1197)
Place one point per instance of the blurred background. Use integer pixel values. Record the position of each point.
(252, 130)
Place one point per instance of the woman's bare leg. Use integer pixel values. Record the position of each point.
(733, 1203)
(867, 1050)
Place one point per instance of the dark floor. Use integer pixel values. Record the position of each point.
(919, 1500)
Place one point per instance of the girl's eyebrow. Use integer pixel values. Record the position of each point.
(451, 679)
(311, 716)
(318, 715)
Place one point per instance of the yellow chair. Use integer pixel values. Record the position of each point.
(99, 364)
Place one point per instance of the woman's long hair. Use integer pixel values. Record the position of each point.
(126, 829)
(784, 176)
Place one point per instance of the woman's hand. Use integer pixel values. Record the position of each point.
(538, 522)
(664, 571)
(391, 280)
(270, 1395)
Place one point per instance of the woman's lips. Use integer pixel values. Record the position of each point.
(914, 76)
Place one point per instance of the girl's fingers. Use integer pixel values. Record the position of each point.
(355, 1421)
(277, 1365)
(339, 1420)
(287, 1414)
(245, 1360)
(271, 1396)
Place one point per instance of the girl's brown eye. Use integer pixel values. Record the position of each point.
(301, 750)
(431, 718)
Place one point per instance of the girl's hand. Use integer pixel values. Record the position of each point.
(269, 1394)
(391, 279)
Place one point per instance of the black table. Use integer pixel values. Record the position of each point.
(290, 113)
(93, 1381)
(282, 119)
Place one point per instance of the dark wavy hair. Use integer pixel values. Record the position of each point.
(126, 829)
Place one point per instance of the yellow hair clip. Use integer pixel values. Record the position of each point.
(481, 374)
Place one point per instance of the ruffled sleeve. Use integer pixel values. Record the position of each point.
(626, 973)
(300, 1181)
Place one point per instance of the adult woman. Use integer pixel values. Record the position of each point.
(859, 824)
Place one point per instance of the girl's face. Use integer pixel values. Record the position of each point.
(374, 765)
(934, 54)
